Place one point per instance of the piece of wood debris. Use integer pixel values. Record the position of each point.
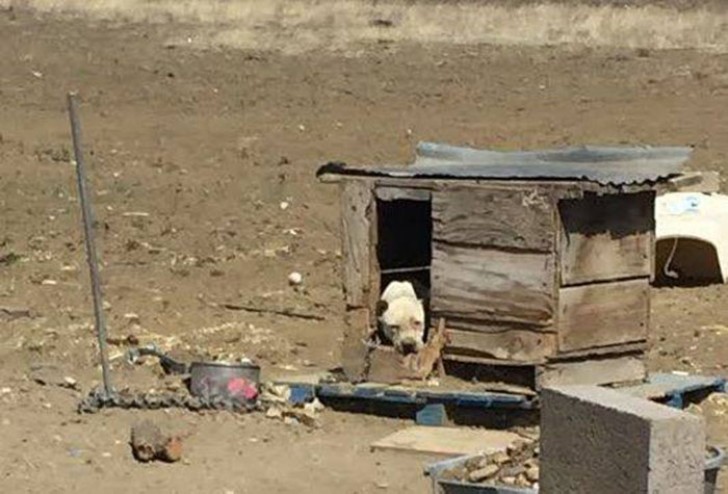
(278, 312)
(446, 441)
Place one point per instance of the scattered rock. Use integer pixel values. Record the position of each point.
(484, 473)
(499, 458)
(148, 443)
(69, 382)
(274, 413)
(132, 318)
(517, 466)
(523, 481)
(290, 421)
(295, 278)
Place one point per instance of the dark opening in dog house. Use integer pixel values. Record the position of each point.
(404, 241)
(687, 262)
(533, 259)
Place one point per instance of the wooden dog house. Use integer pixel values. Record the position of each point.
(540, 259)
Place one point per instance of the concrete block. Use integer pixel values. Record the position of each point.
(599, 441)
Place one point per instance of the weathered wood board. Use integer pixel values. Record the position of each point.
(446, 441)
(606, 237)
(384, 193)
(475, 284)
(386, 366)
(606, 370)
(356, 203)
(705, 181)
(353, 350)
(508, 345)
(512, 218)
(603, 314)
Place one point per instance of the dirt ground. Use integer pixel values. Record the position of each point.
(202, 164)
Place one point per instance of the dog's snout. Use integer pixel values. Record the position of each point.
(408, 346)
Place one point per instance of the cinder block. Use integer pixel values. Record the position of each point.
(598, 441)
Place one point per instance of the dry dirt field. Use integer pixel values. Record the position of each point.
(192, 150)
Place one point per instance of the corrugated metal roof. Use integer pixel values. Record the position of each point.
(603, 165)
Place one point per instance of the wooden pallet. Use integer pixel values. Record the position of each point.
(432, 403)
(675, 389)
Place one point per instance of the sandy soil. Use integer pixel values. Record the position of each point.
(192, 152)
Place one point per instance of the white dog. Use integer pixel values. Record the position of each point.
(402, 317)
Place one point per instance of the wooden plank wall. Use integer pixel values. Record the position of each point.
(356, 214)
(509, 344)
(511, 218)
(606, 256)
(593, 371)
(357, 205)
(606, 237)
(603, 314)
(493, 270)
(486, 285)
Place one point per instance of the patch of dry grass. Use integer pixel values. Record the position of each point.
(302, 25)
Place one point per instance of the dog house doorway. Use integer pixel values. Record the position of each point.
(404, 240)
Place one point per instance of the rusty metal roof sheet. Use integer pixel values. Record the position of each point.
(602, 165)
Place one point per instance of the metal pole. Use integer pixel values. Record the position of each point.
(90, 243)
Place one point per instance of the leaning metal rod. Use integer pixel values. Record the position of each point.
(90, 243)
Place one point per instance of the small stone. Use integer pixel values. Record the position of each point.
(106, 454)
(532, 474)
(499, 458)
(315, 406)
(173, 386)
(512, 471)
(516, 446)
(484, 473)
(132, 318)
(522, 481)
(295, 278)
(284, 205)
(106, 305)
(70, 383)
(274, 413)
(5, 391)
(290, 421)
(508, 480)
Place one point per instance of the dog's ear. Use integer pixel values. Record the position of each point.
(382, 307)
